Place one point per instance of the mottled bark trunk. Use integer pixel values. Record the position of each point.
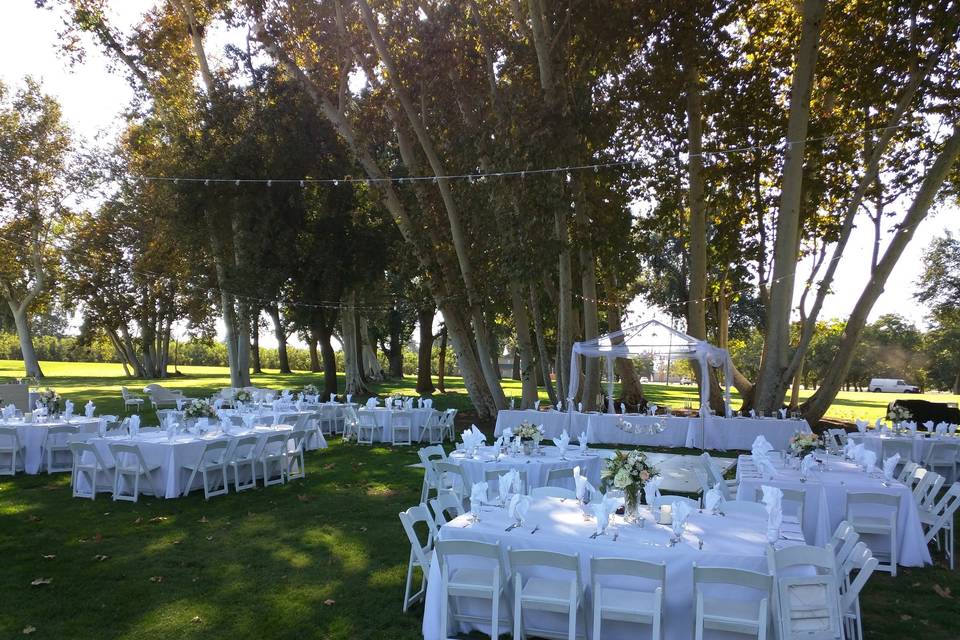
(329, 361)
(280, 334)
(543, 354)
(425, 351)
(442, 360)
(521, 319)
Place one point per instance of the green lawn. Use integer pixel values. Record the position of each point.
(323, 557)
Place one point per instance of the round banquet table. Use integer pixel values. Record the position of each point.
(33, 434)
(825, 502)
(536, 467)
(728, 541)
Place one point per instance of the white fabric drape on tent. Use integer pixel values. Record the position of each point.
(652, 338)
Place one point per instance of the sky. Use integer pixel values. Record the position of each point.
(93, 98)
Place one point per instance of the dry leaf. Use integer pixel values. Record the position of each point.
(177, 541)
(156, 578)
(204, 519)
(943, 592)
(905, 617)
(100, 558)
(329, 466)
(138, 520)
(158, 518)
(39, 582)
(329, 601)
(363, 529)
(49, 557)
(303, 498)
(196, 620)
(209, 537)
(98, 538)
(35, 518)
(27, 630)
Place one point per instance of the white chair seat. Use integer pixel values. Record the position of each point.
(627, 605)
(546, 590)
(736, 612)
(870, 524)
(470, 582)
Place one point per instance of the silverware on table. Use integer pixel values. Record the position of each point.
(535, 529)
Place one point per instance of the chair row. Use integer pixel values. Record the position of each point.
(634, 591)
(362, 425)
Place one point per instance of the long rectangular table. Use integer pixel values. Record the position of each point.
(33, 435)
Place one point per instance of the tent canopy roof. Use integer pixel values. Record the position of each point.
(649, 337)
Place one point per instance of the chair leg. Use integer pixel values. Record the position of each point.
(495, 617)
(517, 618)
(406, 589)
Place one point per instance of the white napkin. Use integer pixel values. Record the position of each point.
(134, 426)
(651, 409)
(762, 445)
(507, 434)
(807, 464)
(753, 413)
(512, 403)
(583, 487)
(603, 509)
(217, 403)
(333, 397)
(536, 405)
(623, 408)
(580, 407)
(562, 443)
(889, 465)
(68, 408)
(783, 414)
(497, 444)
(879, 424)
(653, 488)
(371, 403)
(478, 495)
(171, 429)
(857, 453)
(862, 426)
(869, 460)
(517, 510)
(772, 497)
(712, 500)
(774, 522)
(681, 511)
(89, 408)
(583, 442)
(928, 425)
(349, 398)
(941, 429)
(479, 438)
(102, 427)
(506, 484)
(912, 426)
(559, 405)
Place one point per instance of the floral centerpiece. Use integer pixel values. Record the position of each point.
(242, 395)
(199, 408)
(628, 472)
(898, 414)
(49, 400)
(529, 431)
(802, 443)
(311, 390)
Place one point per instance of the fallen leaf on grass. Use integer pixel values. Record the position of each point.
(196, 620)
(27, 630)
(364, 529)
(329, 601)
(905, 617)
(35, 518)
(39, 582)
(100, 557)
(209, 537)
(204, 519)
(49, 556)
(329, 466)
(156, 578)
(303, 498)
(177, 541)
(943, 592)
(158, 518)
(138, 520)
(98, 538)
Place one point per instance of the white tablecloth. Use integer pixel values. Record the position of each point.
(739, 433)
(602, 428)
(731, 541)
(825, 502)
(33, 434)
(919, 444)
(184, 449)
(554, 422)
(537, 467)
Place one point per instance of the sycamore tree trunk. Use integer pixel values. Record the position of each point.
(425, 351)
(255, 348)
(314, 353)
(543, 354)
(816, 406)
(280, 333)
(351, 348)
(372, 370)
(588, 287)
(442, 360)
(631, 389)
(564, 304)
(771, 385)
(528, 379)
(323, 333)
(31, 365)
(395, 352)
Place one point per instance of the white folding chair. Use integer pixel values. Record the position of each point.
(448, 473)
(935, 482)
(295, 467)
(717, 612)
(805, 606)
(862, 562)
(704, 481)
(637, 606)
(401, 427)
(891, 446)
(562, 477)
(212, 467)
(484, 582)
(273, 458)
(348, 421)
(130, 466)
(447, 420)
(715, 476)
(10, 450)
(432, 430)
(553, 492)
(326, 417)
(57, 442)
(881, 520)
(446, 507)
(431, 480)
(795, 497)
(906, 474)
(492, 478)
(244, 454)
(368, 427)
(939, 520)
(419, 552)
(943, 456)
(843, 541)
(88, 465)
(533, 592)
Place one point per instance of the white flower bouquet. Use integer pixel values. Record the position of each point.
(243, 396)
(199, 408)
(49, 400)
(627, 472)
(898, 414)
(802, 443)
(529, 431)
(311, 390)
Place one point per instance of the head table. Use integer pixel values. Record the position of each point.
(825, 501)
(919, 443)
(729, 541)
(33, 435)
(537, 467)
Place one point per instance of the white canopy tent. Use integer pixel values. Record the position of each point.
(651, 337)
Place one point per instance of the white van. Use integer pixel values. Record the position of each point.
(891, 385)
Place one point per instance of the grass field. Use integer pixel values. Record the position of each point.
(101, 383)
(322, 557)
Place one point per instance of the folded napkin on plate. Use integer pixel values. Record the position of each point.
(349, 398)
(911, 425)
(623, 408)
(753, 413)
(180, 403)
(508, 483)
(68, 408)
(497, 444)
(857, 452)
(772, 497)
(512, 403)
(603, 509)
(133, 426)
(783, 414)
(652, 488)
(580, 407)
(879, 424)
(651, 409)
(869, 461)
(712, 499)
(928, 425)
(536, 405)
(681, 511)
(582, 440)
(761, 445)
(371, 403)
(848, 447)
(428, 403)
(333, 397)
(862, 426)
(89, 409)
(559, 405)
(478, 495)
(890, 465)
(217, 403)
(562, 443)
(940, 429)
(774, 523)
(507, 434)
(517, 510)
(807, 464)
(583, 487)
(285, 394)
(765, 465)
(481, 439)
